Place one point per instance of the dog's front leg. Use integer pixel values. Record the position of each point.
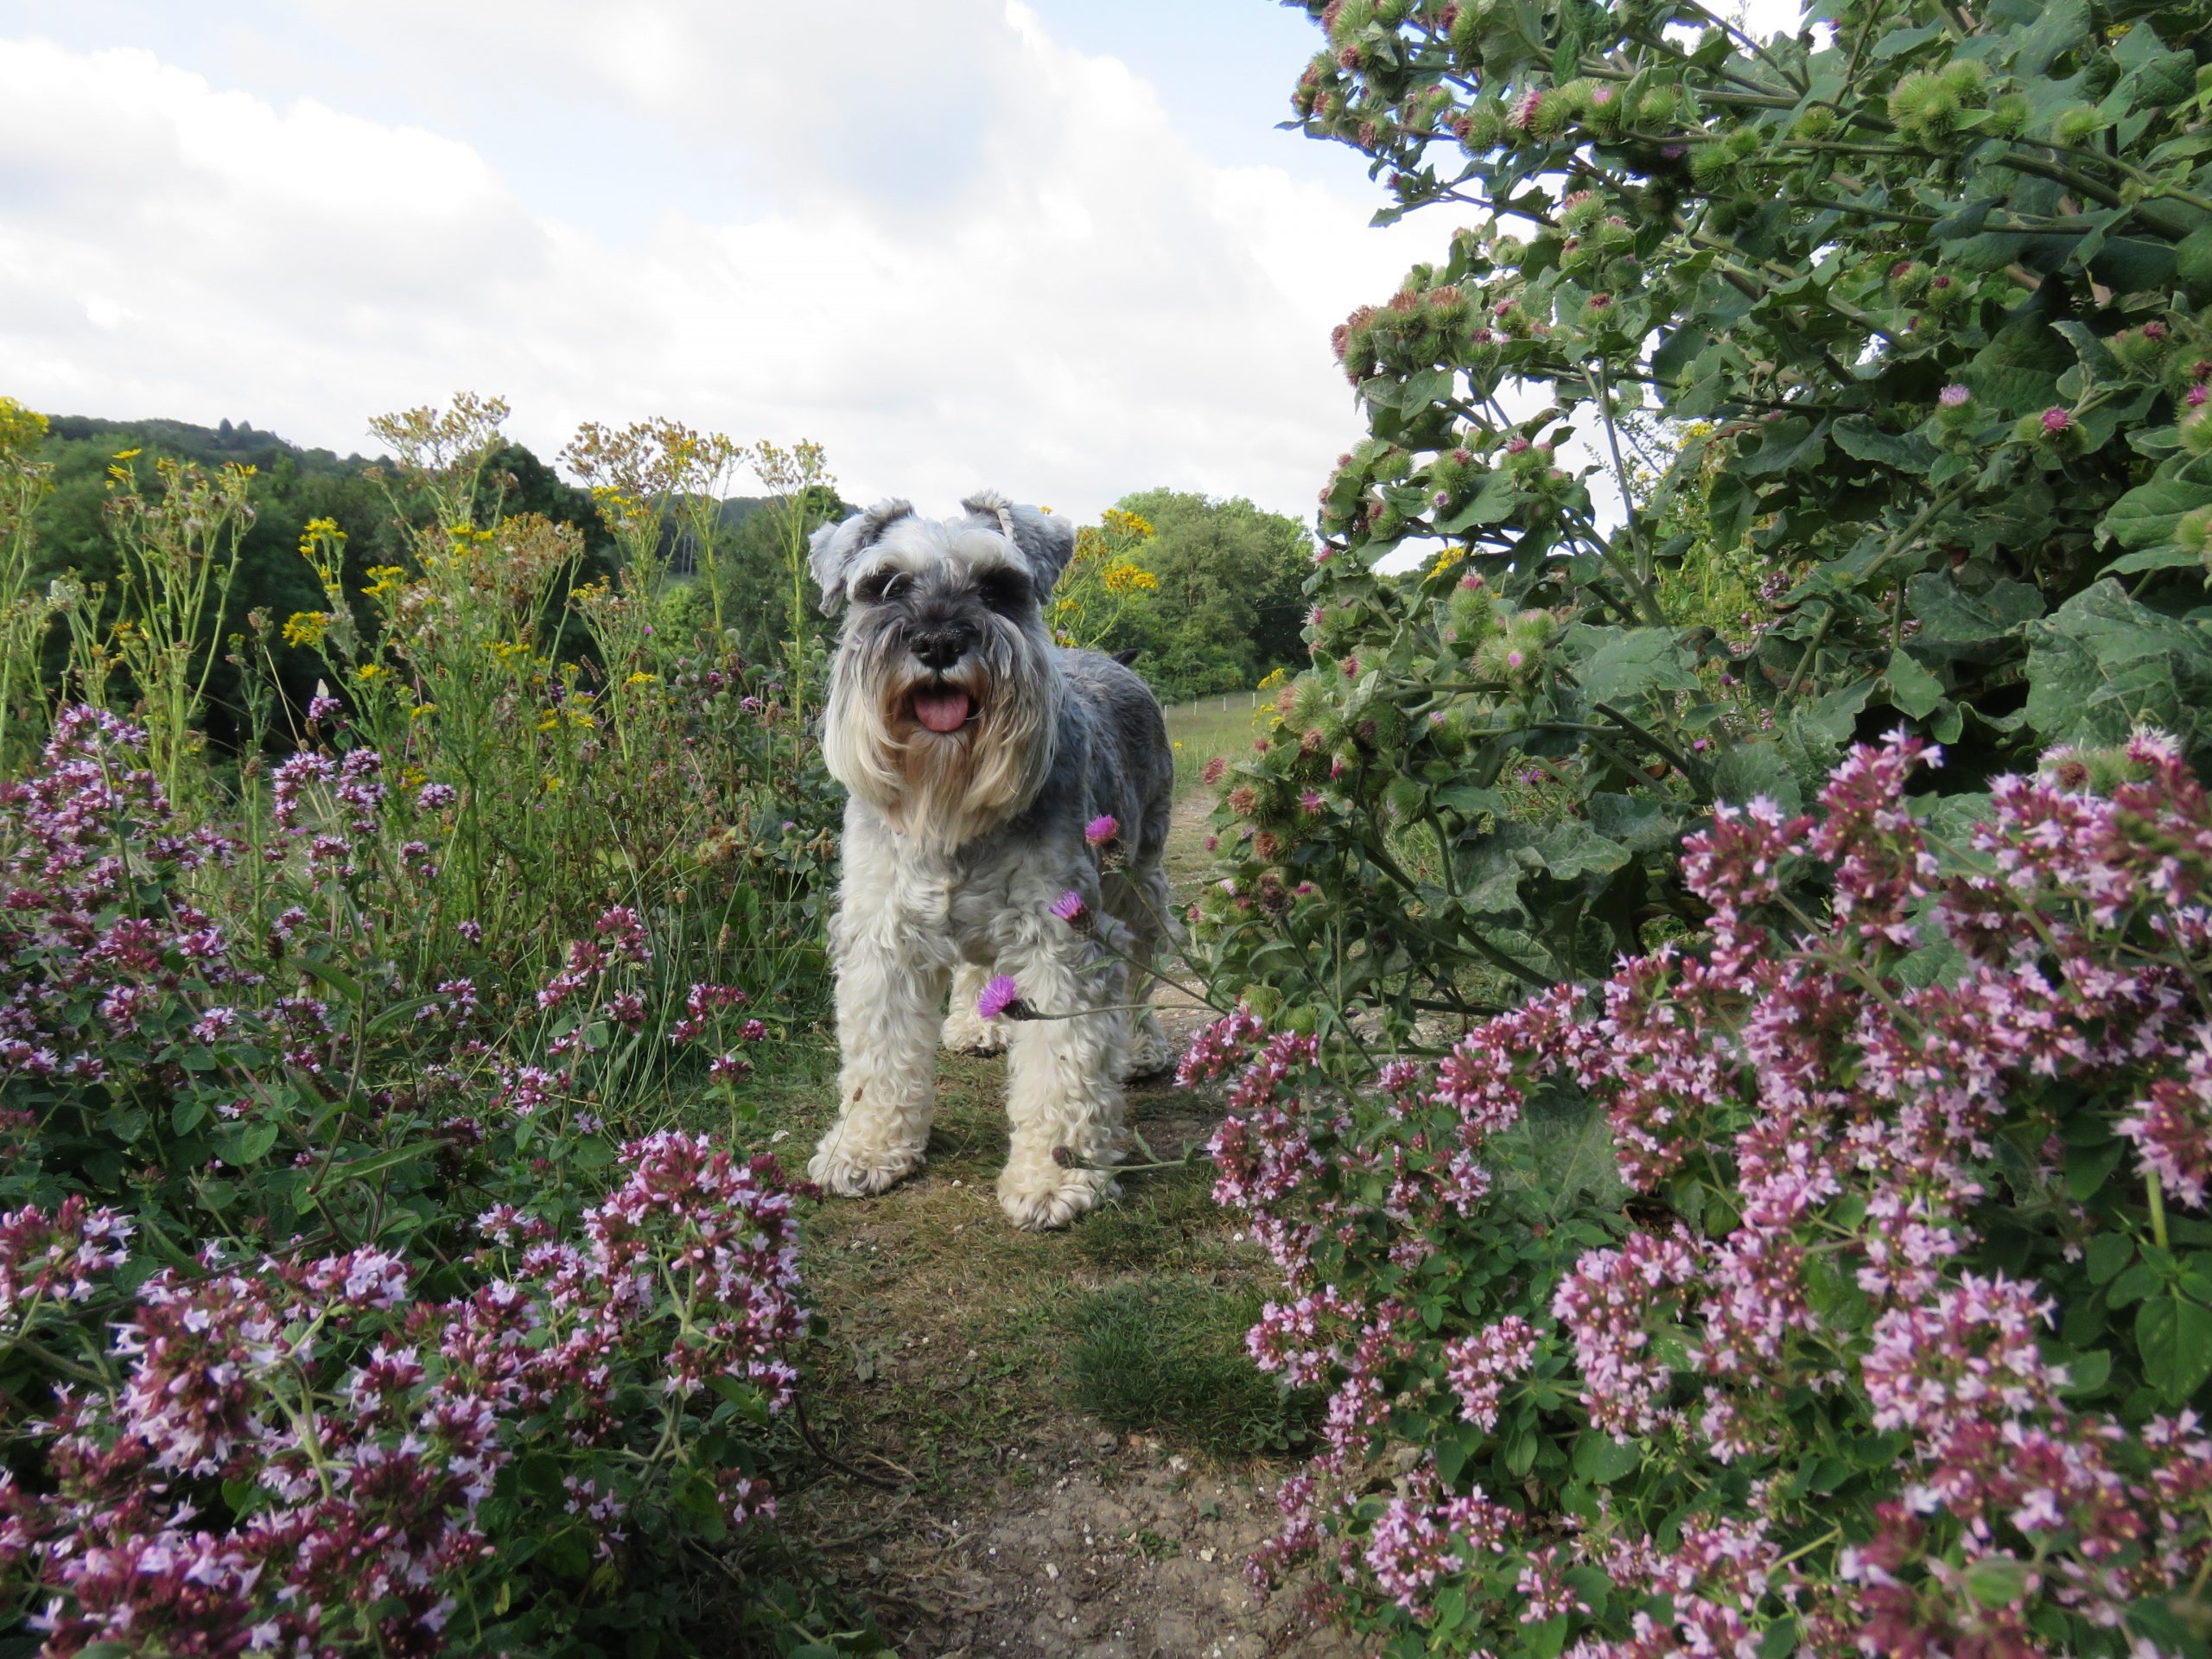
(890, 999)
(1063, 1088)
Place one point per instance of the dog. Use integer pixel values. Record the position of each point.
(1007, 803)
(1007, 811)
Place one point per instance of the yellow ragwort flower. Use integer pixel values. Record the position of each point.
(306, 628)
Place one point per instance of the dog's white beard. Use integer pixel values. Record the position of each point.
(943, 791)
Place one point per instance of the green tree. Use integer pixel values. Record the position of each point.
(1229, 606)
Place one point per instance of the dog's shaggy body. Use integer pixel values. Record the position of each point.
(977, 752)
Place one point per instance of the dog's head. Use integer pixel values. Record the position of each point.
(944, 696)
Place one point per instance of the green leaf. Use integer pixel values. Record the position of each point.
(2106, 1255)
(1601, 1459)
(2146, 515)
(2153, 558)
(241, 1144)
(1998, 1580)
(1857, 436)
(1912, 688)
(1491, 504)
(2104, 664)
(1785, 445)
(1626, 666)
(336, 978)
(2087, 1373)
(2140, 1280)
(2175, 1338)
(1748, 771)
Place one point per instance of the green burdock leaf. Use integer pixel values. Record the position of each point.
(2104, 664)
(1748, 771)
(1626, 666)
(2146, 515)
(1951, 616)
(1912, 688)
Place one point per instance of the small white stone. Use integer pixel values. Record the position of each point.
(1051, 1572)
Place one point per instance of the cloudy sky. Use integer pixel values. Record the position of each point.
(1056, 246)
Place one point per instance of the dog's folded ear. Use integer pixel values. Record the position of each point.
(1046, 540)
(835, 547)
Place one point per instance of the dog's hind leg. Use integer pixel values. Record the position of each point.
(890, 998)
(967, 1031)
(1064, 1086)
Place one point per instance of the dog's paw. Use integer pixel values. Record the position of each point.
(969, 1035)
(848, 1171)
(1151, 1054)
(1038, 1201)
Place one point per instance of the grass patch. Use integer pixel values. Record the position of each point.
(1166, 1356)
(1200, 730)
(1168, 1219)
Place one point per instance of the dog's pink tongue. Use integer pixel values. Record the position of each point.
(942, 710)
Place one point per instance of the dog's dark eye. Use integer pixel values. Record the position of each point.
(884, 584)
(1003, 590)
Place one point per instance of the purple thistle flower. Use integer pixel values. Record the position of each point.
(998, 996)
(1070, 909)
(1953, 397)
(1101, 830)
(2056, 421)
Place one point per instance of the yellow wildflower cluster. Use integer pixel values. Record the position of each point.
(385, 579)
(20, 429)
(1275, 677)
(306, 628)
(1133, 525)
(1445, 558)
(1126, 577)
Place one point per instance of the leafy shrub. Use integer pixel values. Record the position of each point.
(1932, 277)
(1893, 1333)
(337, 1319)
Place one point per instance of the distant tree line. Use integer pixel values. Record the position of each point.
(1221, 606)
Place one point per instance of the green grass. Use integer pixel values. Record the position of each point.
(1166, 1355)
(1168, 1220)
(1205, 728)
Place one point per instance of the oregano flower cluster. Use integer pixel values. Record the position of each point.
(1838, 1281)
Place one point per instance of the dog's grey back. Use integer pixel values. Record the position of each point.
(1113, 759)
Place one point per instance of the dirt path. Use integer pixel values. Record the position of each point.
(1069, 1453)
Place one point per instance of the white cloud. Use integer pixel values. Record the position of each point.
(968, 255)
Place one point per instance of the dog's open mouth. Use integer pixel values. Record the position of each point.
(943, 709)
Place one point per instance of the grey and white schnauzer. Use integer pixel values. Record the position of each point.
(977, 753)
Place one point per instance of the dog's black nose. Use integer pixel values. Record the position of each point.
(940, 648)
